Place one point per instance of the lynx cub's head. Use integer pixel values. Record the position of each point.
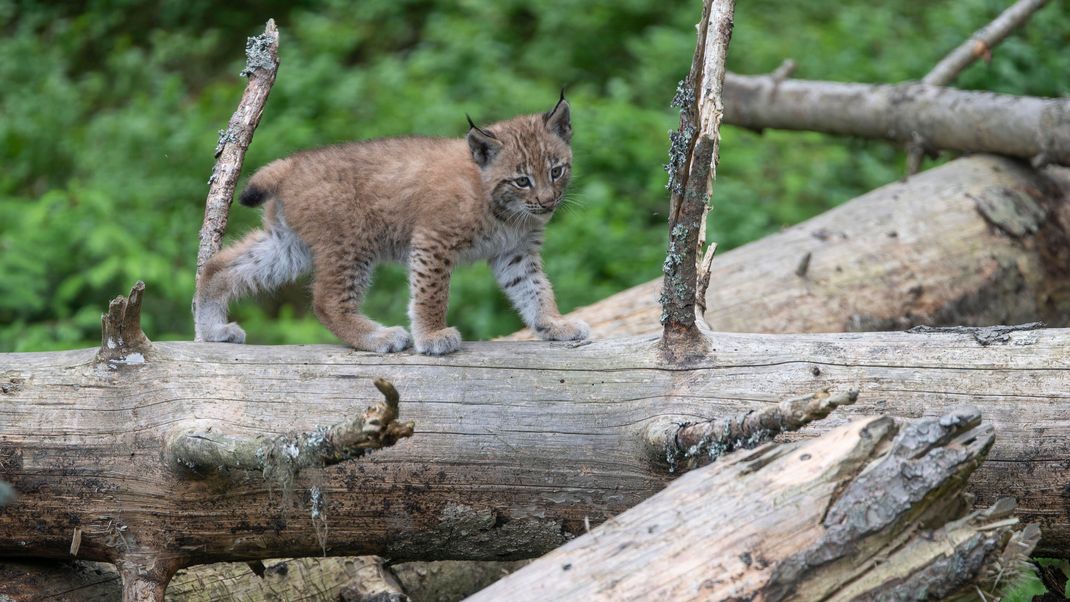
(525, 162)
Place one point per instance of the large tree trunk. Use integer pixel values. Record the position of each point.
(857, 514)
(938, 118)
(979, 241)
(517, 445)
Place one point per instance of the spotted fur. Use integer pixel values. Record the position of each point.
(430, 203)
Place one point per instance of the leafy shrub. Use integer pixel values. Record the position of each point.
(109, 111)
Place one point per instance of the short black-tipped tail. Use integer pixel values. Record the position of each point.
(253, 196)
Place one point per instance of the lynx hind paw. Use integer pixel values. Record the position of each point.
(439, 342)
(564, 330)
(390, 340)
(225, 333)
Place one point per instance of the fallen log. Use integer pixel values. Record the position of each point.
(859, 513)
(356, 579)
(518, 445)
(979, 241)
(1036, 129)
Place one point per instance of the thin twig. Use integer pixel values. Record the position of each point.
(979, 45)
(262, 54)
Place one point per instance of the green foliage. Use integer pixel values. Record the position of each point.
(109, 111)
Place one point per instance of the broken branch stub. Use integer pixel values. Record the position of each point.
(698, 443)
(281, 458)
(122, 341)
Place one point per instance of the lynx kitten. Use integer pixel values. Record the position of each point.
(431, 203)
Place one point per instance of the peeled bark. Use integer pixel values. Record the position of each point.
(859, 513)
(940, 118)
(981, 240)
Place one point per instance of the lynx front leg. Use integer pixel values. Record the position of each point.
(341, 281)
(429, 288)
(521, 277)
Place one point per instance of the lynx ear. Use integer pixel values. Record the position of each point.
(483, 144)
(559, 119)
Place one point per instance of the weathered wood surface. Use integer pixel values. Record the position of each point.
(979, 241)
(1036, 129)
(262, 64)
(281, 580)
(867, 511)
(517, 445)
(693, 156)
(278, 580)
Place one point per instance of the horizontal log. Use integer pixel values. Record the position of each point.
(517, 446)
(941, 118)
(865, 511)
(978, 241)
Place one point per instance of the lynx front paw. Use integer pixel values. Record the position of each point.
(439, 342)
(389, 340)
(225, 333)
(563, 330)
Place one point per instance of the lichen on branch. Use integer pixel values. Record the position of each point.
(696, 443)
(280, 458)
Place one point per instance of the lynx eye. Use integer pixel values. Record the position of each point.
(522, 182)
(556, 172)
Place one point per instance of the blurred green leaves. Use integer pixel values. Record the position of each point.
(109, 111)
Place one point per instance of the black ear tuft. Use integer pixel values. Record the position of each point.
(559, 119)
(483, 144)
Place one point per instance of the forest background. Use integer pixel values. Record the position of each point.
(110, 111)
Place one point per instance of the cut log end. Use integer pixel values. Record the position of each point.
(123, 343)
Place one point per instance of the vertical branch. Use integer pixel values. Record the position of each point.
(979, 45)
(693, 156)
(262, 54)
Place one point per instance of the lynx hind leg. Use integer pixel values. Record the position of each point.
(339, 288)
(263, 260)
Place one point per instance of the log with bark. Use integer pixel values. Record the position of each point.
(868, 510)
(1037, 129)
(518, 445)
(979, 241)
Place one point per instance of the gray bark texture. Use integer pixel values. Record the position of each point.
(938, 118)
(981, 240)
(865, 512)
(516, 447)
(981, 42)
(692, 168)
(262, 64)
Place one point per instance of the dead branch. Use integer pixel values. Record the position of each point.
(262, 63)
(282, 457)
(692, 168)
(978, 46)
(867, 510)
(982, 42)
(701, 442)
(1017, 126)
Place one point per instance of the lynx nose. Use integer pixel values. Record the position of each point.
(548, 202)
